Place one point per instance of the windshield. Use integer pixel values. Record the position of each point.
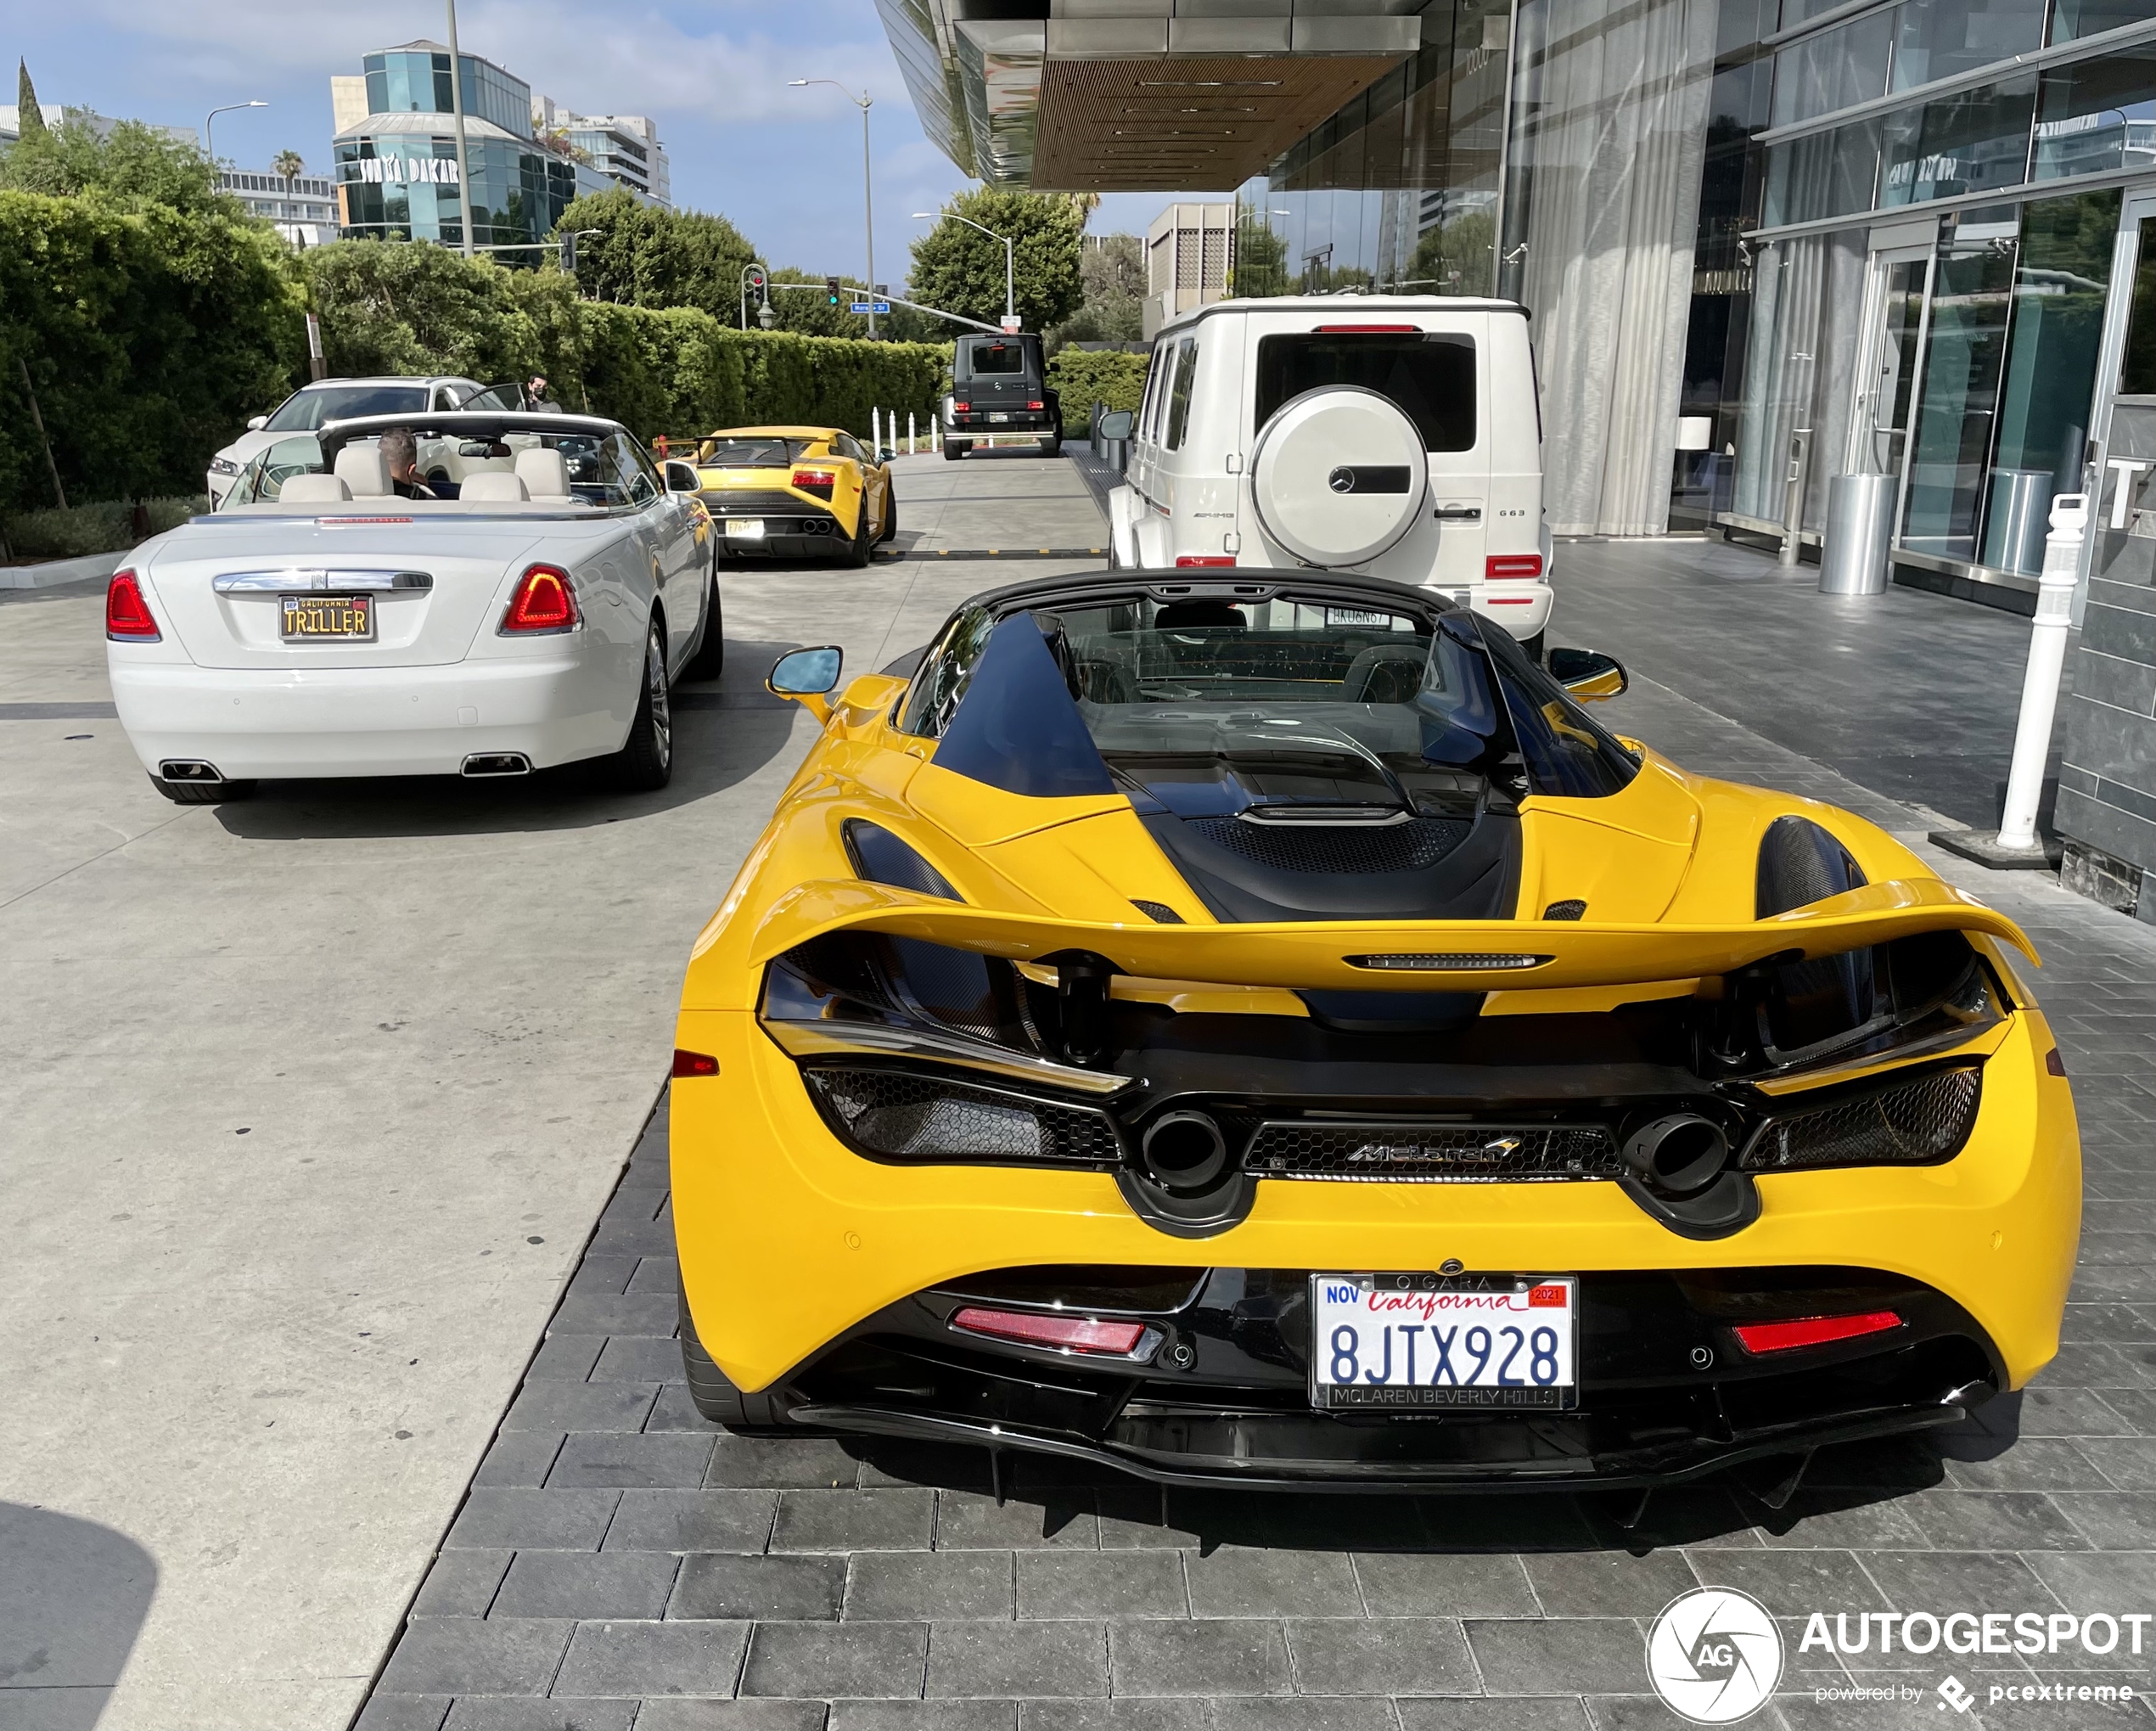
(305, 410)
(752, 453)
(1215, 708)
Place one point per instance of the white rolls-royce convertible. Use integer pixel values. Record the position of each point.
(327, 622)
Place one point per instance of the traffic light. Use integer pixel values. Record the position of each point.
(831, 292)
(569, 252)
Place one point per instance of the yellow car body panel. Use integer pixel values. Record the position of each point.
(856, 485)
(787, 1238)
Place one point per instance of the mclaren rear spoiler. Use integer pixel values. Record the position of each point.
(1389, 955)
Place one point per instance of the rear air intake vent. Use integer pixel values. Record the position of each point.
(1353, 849)
(1160, 913)
(880, 857)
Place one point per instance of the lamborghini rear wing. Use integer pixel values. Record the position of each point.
(1389, 955)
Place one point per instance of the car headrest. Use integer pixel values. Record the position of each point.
(361, 468)
(544, 474)
(313, 489)
(494, 486)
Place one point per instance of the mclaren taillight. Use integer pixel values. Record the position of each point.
(1512, 567)
(819, 481)
(1815, 1330)
(694, 1063)
(1205, 558)
(543, 602)
(1063, 1333)
(126, 614)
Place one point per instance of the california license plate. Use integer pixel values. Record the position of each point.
(1420, 1342)
(997, 420)
(343, 618)
(744, 528)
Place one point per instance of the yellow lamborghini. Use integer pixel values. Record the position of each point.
(1268, 1034)
(796, 492)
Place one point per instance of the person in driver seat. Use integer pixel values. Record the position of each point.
(401, 456)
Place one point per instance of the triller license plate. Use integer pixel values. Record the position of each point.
(744, 528)
(1416, 1342)
(345, 618)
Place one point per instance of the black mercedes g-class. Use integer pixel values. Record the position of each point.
(1000, 384)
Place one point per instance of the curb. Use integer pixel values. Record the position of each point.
(59, 571)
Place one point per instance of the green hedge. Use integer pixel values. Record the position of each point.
(149, 337)
(388, 306)
(100, 528)
(1087, 376)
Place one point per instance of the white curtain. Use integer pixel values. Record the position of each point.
(1613, 155)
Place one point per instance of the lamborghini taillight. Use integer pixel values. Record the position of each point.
(819, 481)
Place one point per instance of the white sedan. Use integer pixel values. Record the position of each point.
(322, 624)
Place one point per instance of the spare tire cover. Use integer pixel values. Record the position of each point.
(1339, 475)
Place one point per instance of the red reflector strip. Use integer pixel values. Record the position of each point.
(1501, 567)
(1205, 559)
(694, 1063)
(126, 614)
(1068, 1333)
(1369, 329)
(1814, 1330)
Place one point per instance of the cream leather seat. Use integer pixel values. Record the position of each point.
(495, 487)
(361, 468)
(544, 474)
(313, 489)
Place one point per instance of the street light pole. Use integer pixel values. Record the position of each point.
(1010, 296)
(210, 121)
(457, 115)
(864, 102)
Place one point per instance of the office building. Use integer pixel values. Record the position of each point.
(1190, 255)
(624, 148)
(304, 208)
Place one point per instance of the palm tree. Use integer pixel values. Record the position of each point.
(287, 166)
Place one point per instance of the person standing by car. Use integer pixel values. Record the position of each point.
(401, 456)
(535, 396)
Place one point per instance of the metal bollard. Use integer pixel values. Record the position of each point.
(875, 433)
(1792, 496)
(909, 432)
(2032, 738)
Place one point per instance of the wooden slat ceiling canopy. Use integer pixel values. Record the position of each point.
(1169, 123)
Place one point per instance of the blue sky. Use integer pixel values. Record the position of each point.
(784, 165)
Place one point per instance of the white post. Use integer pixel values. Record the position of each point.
(935, 434)
(2032, 736)
(875, 433)
(909, 432)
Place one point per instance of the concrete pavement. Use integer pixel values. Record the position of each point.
(310, 1105)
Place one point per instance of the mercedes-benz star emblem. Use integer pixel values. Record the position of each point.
(1714, 1656)
(1341, 479)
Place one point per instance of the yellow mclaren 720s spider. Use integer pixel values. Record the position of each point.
(1267, 1032)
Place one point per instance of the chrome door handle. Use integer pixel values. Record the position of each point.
(1458, 514)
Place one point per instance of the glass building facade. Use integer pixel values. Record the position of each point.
(396, 171)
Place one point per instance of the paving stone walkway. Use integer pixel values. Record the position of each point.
(619, 1563)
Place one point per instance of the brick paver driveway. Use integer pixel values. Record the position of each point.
(618, 1562)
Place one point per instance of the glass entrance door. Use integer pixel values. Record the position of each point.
(1895, 304)
(2123, 539)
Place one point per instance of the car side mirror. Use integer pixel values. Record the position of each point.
(1588, 674)
(256, 423)
(806, 673)
(681, 477)
(1116, 424)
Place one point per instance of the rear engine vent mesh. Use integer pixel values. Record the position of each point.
(1916, 1124)
(1425, 1153)
(1160, 913)
(896, 1115)
(1337, 849)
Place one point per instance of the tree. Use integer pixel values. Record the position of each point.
(643, 255)
(131, 165)
(287, 166)
(961, 270)
(389, 307)
(30, 119)
(1111, 271)
(1458, 258)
